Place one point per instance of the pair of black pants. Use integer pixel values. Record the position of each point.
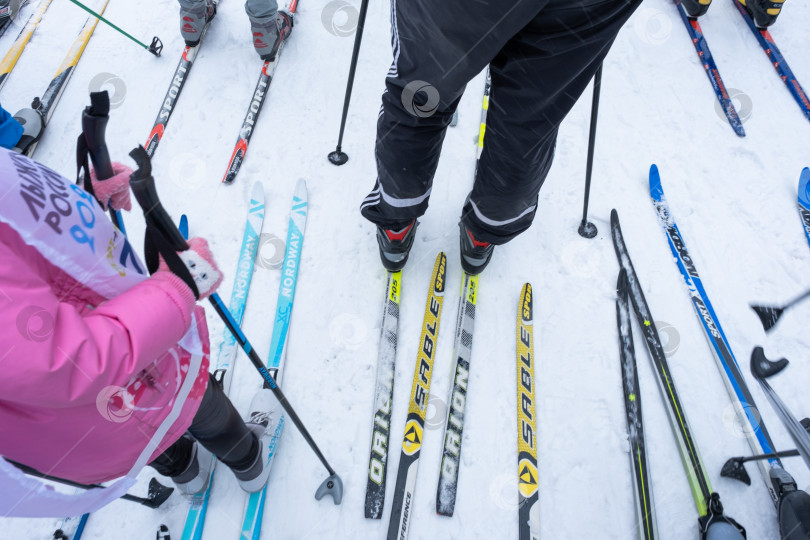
(217, 426)
(541, 53)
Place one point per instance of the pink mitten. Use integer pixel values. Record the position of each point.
(201, 265)
(114, 190)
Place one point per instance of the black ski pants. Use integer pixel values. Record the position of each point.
(217, 426)
(541, 54)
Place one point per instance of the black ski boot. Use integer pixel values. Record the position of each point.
(475, 255)
(33, 125)
(9, 10)
(696, 8)
(395, 245)
(763, 12)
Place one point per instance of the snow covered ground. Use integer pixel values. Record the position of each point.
(734, 199)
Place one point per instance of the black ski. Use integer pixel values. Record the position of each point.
(645, 507)
(709, 507)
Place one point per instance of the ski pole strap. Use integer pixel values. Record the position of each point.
(143, 186)
(162, 235)
(83, 164)
(717, 526)
(156, 245)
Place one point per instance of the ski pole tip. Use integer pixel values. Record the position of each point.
(734, 468)
(156, 47)
(338, 157)
(331, 486)
(768, 315)
(587, 229)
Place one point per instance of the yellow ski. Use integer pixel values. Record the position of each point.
(528, 509)
(13, 54)
(417, 406)
(46, 103)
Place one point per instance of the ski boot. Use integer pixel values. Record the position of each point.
(9, 9)
(265, 413)
(33, 124)
(475, 255)
(395, 245)
(763, 12)
(696, 8)
(268, 36)
(194, 19)
(194, 479)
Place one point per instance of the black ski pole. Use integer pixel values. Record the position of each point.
(143, 186)
(339, 157)
(158, 493)
(762, 368)
(769, 315)
(94, 127)
(734, 467)
(155, 47)
(586, 228)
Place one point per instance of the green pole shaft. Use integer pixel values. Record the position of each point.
(102, 19)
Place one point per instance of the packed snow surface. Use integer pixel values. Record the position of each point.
(734, 200)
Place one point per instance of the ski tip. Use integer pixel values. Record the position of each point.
(525, 309)
(738, 129)
(804, 187)
(614, 218)
(656, 191)
(301, 189)
(439, 272)
(762, 368)
(257, 192)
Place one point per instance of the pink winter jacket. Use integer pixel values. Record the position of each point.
(82, 390)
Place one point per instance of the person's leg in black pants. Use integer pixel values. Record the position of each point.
(542, 55)
(217, 426)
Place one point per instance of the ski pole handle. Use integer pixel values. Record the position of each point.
(94, 127)
(142, 184)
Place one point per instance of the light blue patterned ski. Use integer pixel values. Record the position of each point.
(195, 520)
(252, 523)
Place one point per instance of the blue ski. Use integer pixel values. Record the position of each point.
(707, 60)
(254, 510)
(195, 520)
(779, 63)
(756, 433)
